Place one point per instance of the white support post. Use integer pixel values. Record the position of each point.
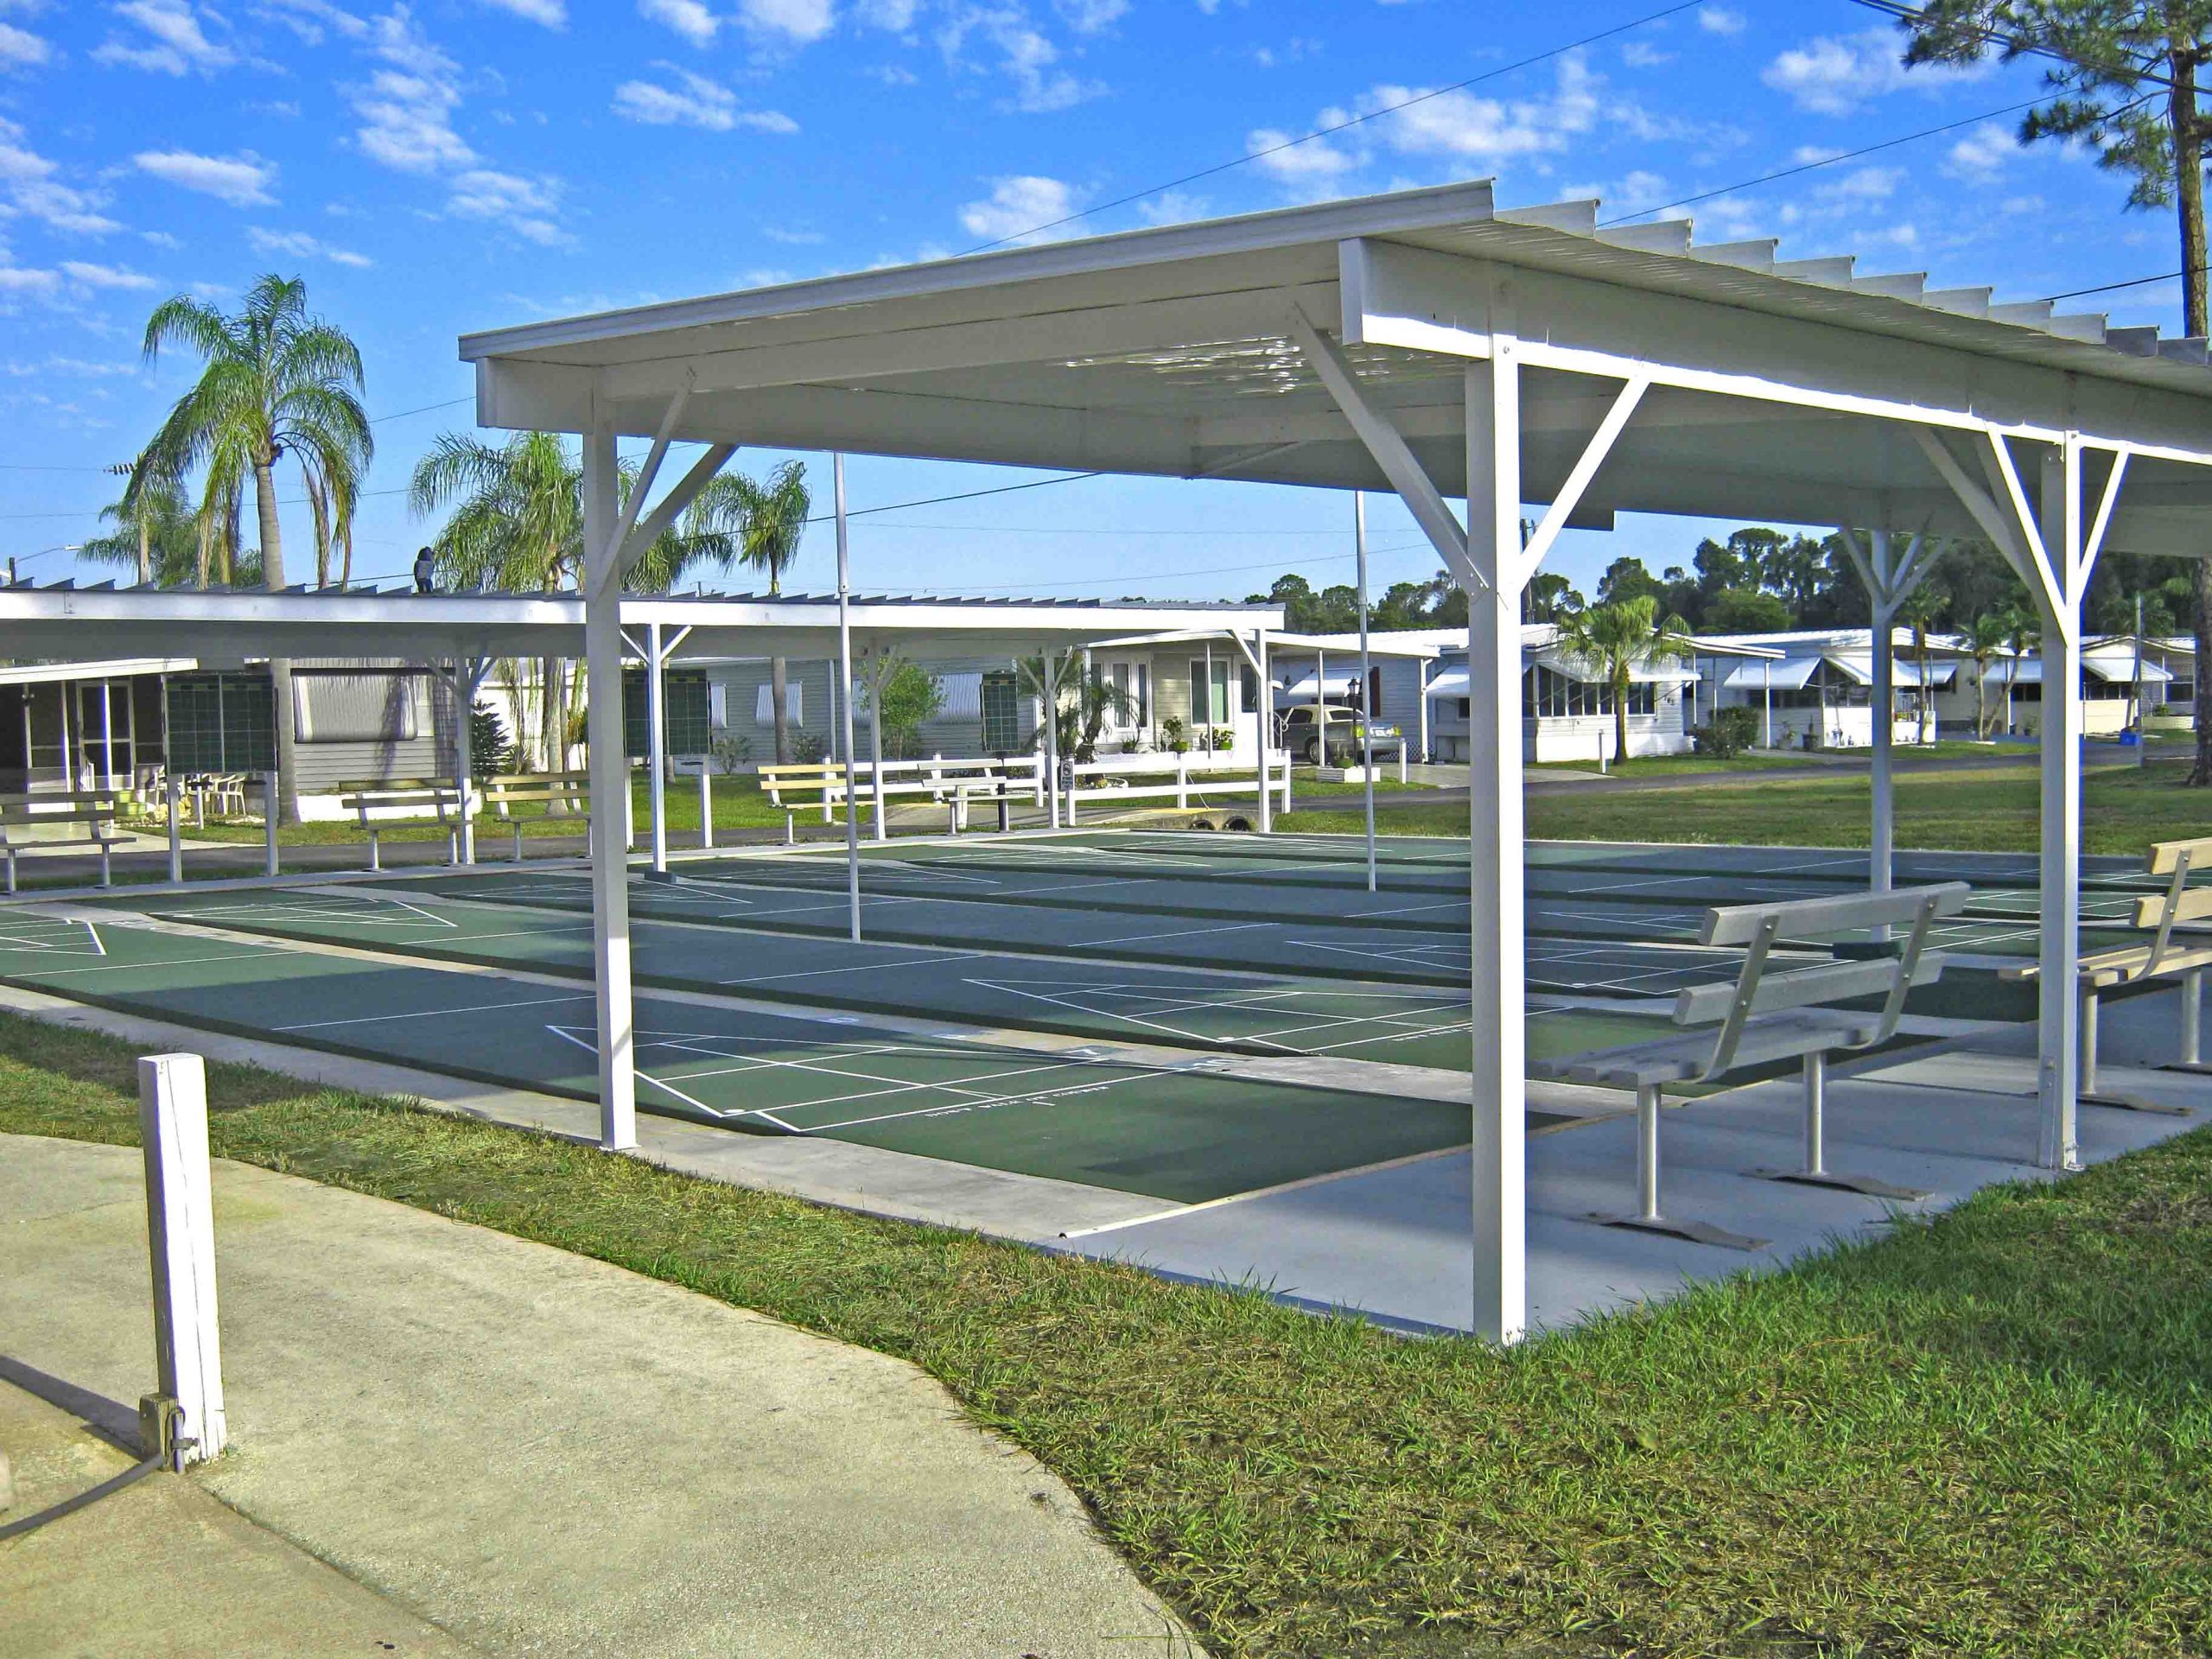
(1366, 680)
(656, 744)
(610, 793)
(174, 786)
(1267, 725)
(269, 822)
(875, 749)
(706, 805)
(845, 682)
(1497, 854)
(181, 1235)
(107, 734)
(467, 680)
(1420, 680)
(2058, 1058)
(1052, 743)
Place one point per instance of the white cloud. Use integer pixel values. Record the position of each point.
(242, 180)
(1314, 165)
(526, 206)
(34, 191)
(1981, 157)
(308, 19)
(897, 16)
(1488, 130)
(1019, 208)
(1026, 56)
(1642, 55)
(174, 41)
(688, 18)
(554, 14)
(16, 283)
(298, 244)
(694, 101)
(106, 277)
(21, 49)
(1088, 16)
(800, 21)
(407, 110)
(1171, 207)
(1835, 75)
(1863, 184)
(1720, 20)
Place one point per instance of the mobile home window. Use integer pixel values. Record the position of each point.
(1001, 697)
(1209, 690)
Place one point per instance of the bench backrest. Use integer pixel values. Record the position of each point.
(1757, 928)
(70, 806)
(2177, 861)
(516, 788)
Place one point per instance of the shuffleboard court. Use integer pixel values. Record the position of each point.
(1247, 1012)
(1611, 966)
(1183, 1135)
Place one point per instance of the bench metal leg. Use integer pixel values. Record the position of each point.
(2088, 1093)
(517, 843)
(11, 869)
(1649, 1217)
(376, 857)
(1816, 1171)
(107, 874)
(2192, 1024)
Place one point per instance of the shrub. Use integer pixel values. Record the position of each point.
(807, 749)
(489, 751)
(1730, 732)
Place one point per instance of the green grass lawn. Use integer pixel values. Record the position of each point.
(1667, 765)
(2124, 809)
(1987, 1433)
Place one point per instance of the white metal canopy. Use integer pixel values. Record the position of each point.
(1429, 344)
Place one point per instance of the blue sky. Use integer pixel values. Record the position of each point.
(449, 165)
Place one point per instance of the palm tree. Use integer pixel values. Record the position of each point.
(1985, 644)
(1919, 612)
(273, 381)
(2023, 633)
(519, 526)
(759, 525)
(155, 532)
(1614, 639)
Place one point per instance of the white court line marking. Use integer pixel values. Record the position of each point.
(714, 1112)
(1177, 934)
(180, 961)
(433, 1014)
(857, 967)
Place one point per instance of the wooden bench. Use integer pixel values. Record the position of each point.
(411, 797)
(504, 791)
(2161, 957)
(1768, 1016)
(90, 813)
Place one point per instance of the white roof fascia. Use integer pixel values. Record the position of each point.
(119, 668)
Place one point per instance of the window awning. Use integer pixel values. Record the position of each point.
(1338, 685)
(1575, 668)
(1789, 675)
(2118, 668)
(1909, 673)
(1451, 682)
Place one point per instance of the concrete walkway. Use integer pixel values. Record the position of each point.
(162, 1568)
(536, 1453)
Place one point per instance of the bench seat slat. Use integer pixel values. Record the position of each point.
(1787, 1036)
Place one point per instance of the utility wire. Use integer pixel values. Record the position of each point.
(1340, 126)
(2025, 47)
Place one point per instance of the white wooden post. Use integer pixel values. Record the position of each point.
(875, 749)
(1883, 860)
(706, 805)
(174, 786)
(845, 680)
(2058, 1014)
(466, 677)
(181, 1233)
(1266, 722)
(657, 744)
(610, 795)
(1420, 680)
(1182, 781)
(1496, 853)
(1366, 680)
(269, 821)
(1052, 744)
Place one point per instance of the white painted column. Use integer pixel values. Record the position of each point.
(1267, 724)
(181, 1236)
(2058, 1014)
(174, 787)
(610, 793)
(845, 682)
(71, 777)
(1366, 676)
(875, 749)
(1052, 702)
(657, 744)
(467, 680)
(1495, 849)
(1766, 716)
(107, 734)
(1882, 860)
(1421, 679)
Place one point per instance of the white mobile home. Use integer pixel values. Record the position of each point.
(1815, 690)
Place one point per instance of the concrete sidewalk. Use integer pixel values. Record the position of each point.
(538, 1453)
(161, 1569)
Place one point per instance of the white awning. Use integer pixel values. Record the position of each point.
(2118, 669)
(2027, 670)
(1575, 668)
(1939, 673)
(1789, 675)
(1451, 682)
(1338, 685)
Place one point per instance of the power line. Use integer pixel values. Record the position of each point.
(1825, 161)
(2023, 47)
(966, 495)
(1340, 126)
